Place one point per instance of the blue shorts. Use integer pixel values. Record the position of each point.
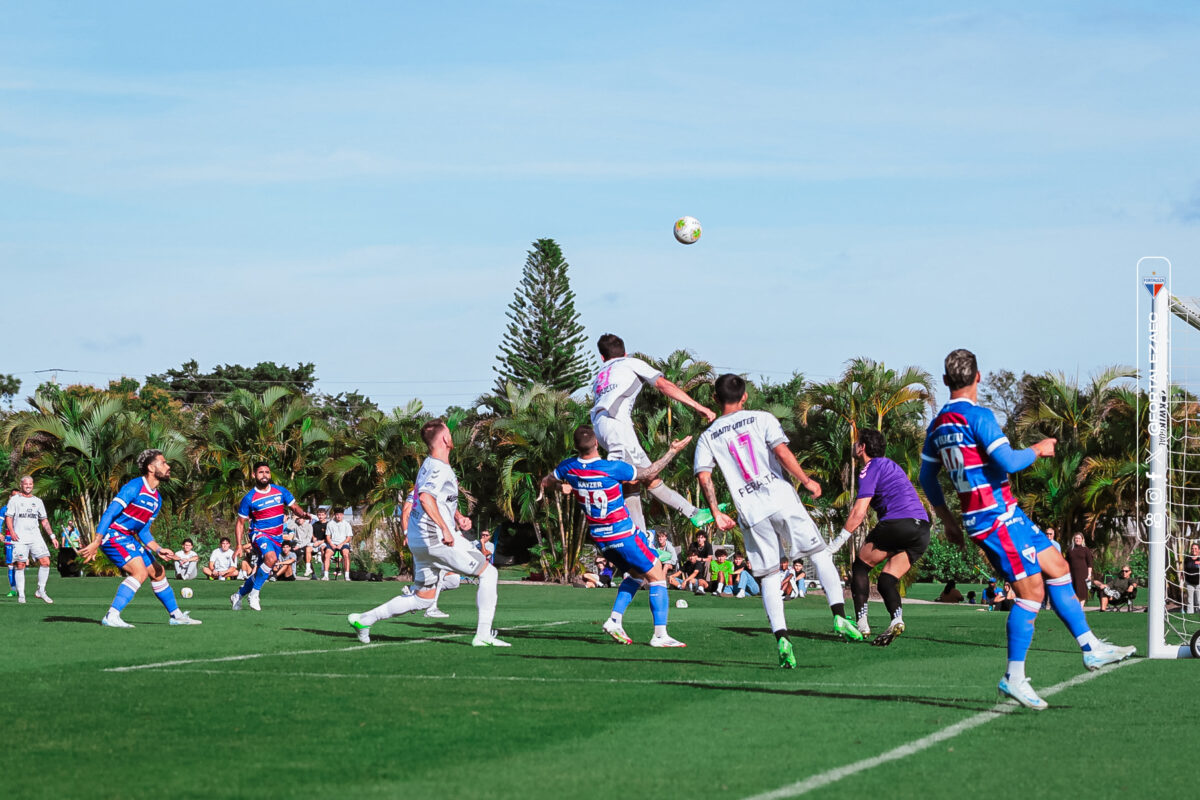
(630, 553)
(265, 544)
(1012, 547)
(122, 549)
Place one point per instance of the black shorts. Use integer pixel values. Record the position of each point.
(901, 536)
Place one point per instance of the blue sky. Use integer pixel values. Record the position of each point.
(357, 184)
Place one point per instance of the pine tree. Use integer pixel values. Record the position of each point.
(544, 340)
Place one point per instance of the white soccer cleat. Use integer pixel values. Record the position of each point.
(488, 641)
(254, 604)
(617, 632)
(665, 641)
(41, 595)
(864, 627)
(21, 599)
(1023, 693)
(235, 601)
(363, 631)
(436, 613)
(1106, 653)
(114, 621)
(325, 577)
(184, 619)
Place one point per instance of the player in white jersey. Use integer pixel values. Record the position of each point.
(431, 540)
(751, 449)
(24, 515)
(615, 388)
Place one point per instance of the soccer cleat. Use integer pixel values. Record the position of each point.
(704, 516)
(363, 631)
(847, 628)
(184, 619)
(488, 641)
(436, 613)
(11, 593)
(787, 658)
(235, 601)
(893, 630)
(114, 621)
(1106, 653)
(864, 627)
(617, 632)
(41, 594)
(664, 641)
(325, 577)
(1023, 693)
(21, 598)
(254, 604)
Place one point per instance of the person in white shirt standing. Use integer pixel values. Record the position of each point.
(431, 540)
(24, 515)
(339, 534)
(615, 389)
(751, 450)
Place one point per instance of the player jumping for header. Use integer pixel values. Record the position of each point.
(265, 506)
(616, 387)
(123, 533)
(751, 449)
(597, 486)
(968, 442)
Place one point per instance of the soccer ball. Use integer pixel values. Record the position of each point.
(687, 230)
(186, 592)
(681, 604)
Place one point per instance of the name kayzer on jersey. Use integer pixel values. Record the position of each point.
(758, 484)
(716, 433)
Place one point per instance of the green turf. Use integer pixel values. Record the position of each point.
(565, 712)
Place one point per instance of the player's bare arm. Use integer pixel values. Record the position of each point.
(429, 505)
(50, 532)
(300, 512)
(648, 474)
(858, 513)
(1044, 448)
(950, 524)
(675, 393)
(723, 520)
(789, 463)
(461, 521)
(238, 529)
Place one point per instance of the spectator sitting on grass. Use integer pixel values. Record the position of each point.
(721, 572)
(285, 566)
(690, 576)
(990, 593)
(1005, 597)
(971, 598)
(704, 552)
(222, 564)
(801, 587)
(667, 554)
(743, 581)
(601, 574)
(186, 562)
(950, 594)
(787, 579)
(1120, 589)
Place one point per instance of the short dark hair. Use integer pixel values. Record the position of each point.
(189, 541)
(585, 439)
(146, 458)
(611, 345)
(961, 369)
(729, 388)
(225, 539)
(259, 465)
(431, 429)
(872, 441)
(721, 552)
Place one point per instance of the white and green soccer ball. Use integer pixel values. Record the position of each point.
(687, 230)
(186, 592)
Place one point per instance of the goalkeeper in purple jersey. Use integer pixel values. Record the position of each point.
(966, 440)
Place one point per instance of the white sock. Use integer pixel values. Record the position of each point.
(772, 597)
(616, 617)
(20, 575)
(633, 504)
(672, 498)
(660, 630)
(253, 593)
(1016, 672)
(401, 604)
(1088, 639)
(485, 601)
(43, 574)
(827, 574)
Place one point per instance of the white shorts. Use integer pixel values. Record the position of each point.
(429, 560)
(24, 553)
(790, 533)
(619, 441)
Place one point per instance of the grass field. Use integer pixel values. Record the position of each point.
(286, 702)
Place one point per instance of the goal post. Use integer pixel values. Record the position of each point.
(1172, 430)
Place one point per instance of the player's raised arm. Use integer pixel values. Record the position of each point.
(789, 463)
(648, 474)
(675, 393)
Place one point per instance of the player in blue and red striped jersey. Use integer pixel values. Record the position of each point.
(968, 442)
(123, 533)
(596, 483)
(265, 506)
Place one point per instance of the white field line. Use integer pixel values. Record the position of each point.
(250, 656)
(903, 751)
(538, 679)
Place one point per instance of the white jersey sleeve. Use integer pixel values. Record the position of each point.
(617, 384)
(741, 444)
(438, 479)
(27, 513)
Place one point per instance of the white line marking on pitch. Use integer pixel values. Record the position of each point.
(684, 682)
(249, 656)
(924, 743)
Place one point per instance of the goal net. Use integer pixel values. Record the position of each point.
(1169, 495)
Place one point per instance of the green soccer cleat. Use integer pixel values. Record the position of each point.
(704, 517)
(847, 628)
(787, 658)
(11, 593)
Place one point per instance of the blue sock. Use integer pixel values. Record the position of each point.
(625, 593)
(248, 584)
(12, 578)
(659, 602)
(1066, 605)
(1020, 628)
(165, 595)
(261, 576)
(125, 593)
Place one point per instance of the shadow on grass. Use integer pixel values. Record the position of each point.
(941, 702)
(80, 620)
(655, 660)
